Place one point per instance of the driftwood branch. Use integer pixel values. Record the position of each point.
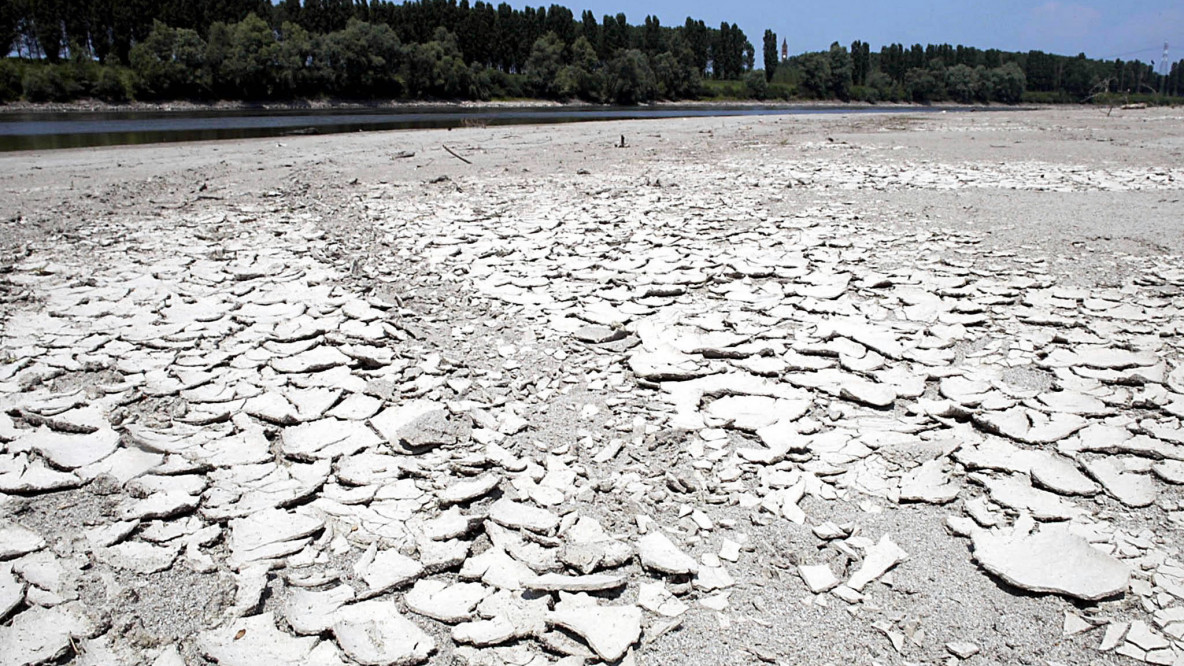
(455, 155)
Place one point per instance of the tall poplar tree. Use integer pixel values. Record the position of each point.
(770, 52)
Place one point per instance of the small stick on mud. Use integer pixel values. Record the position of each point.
(455, 155)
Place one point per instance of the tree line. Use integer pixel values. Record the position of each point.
(941, 72)
(254, 50)
(444, 49)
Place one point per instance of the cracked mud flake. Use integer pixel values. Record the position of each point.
(488, 405)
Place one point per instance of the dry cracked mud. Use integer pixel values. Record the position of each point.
(819, 389)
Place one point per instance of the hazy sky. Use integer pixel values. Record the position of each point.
(1105, 29)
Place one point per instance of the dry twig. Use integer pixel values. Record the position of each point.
(450, 152)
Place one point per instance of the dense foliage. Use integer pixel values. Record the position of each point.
(968, 75)
(256, 50)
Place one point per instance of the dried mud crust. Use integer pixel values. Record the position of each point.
(466, 398)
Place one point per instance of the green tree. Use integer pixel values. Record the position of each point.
(189, 14)
(546, 59)
(921, 85)
(963, 84)
(437, 70)
(386, 47)
(1040, 70)
(861, 62)
(44, 84)
(288, 11)
(675, 70)
(10, 80)
(294, 54)
(9, 18)
(582, 78)
(1007, 83)
(615, 31)
(840, 72)
(583, 54)
(46, 18)
(676, 79)
(590, 28)
(770, 54)
(247, 68)
(629, 78)
(880, 87)
(575, 83)
(816, 74)
(130, 21)
(651, 37)
(112, 86)
(217, 51)
(1079, 77)
(728, 52)
(170, 63)
(892, 62)
(363, 60)
(562, 22)
(505, 25)
(698, 40)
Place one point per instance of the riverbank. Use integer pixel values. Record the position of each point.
(907, 384)
(99, 106)
(182, 106)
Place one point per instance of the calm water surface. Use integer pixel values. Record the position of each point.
(46, 131)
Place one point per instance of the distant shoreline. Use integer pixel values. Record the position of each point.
(97, 106)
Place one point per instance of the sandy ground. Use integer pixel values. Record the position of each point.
(1043, 221)
(65, 187)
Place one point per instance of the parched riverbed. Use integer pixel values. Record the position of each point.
(802, 390)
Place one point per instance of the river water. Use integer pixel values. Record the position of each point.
(47, 131)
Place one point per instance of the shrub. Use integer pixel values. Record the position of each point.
(865, 94)
(756, 85)
(44, 84)
(783, 91)
(881, 86)
(718, 89)
(111, 86)
(921, 85)
(10, 80)
(506, 86)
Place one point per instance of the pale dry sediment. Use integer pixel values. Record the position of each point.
(600, 402)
